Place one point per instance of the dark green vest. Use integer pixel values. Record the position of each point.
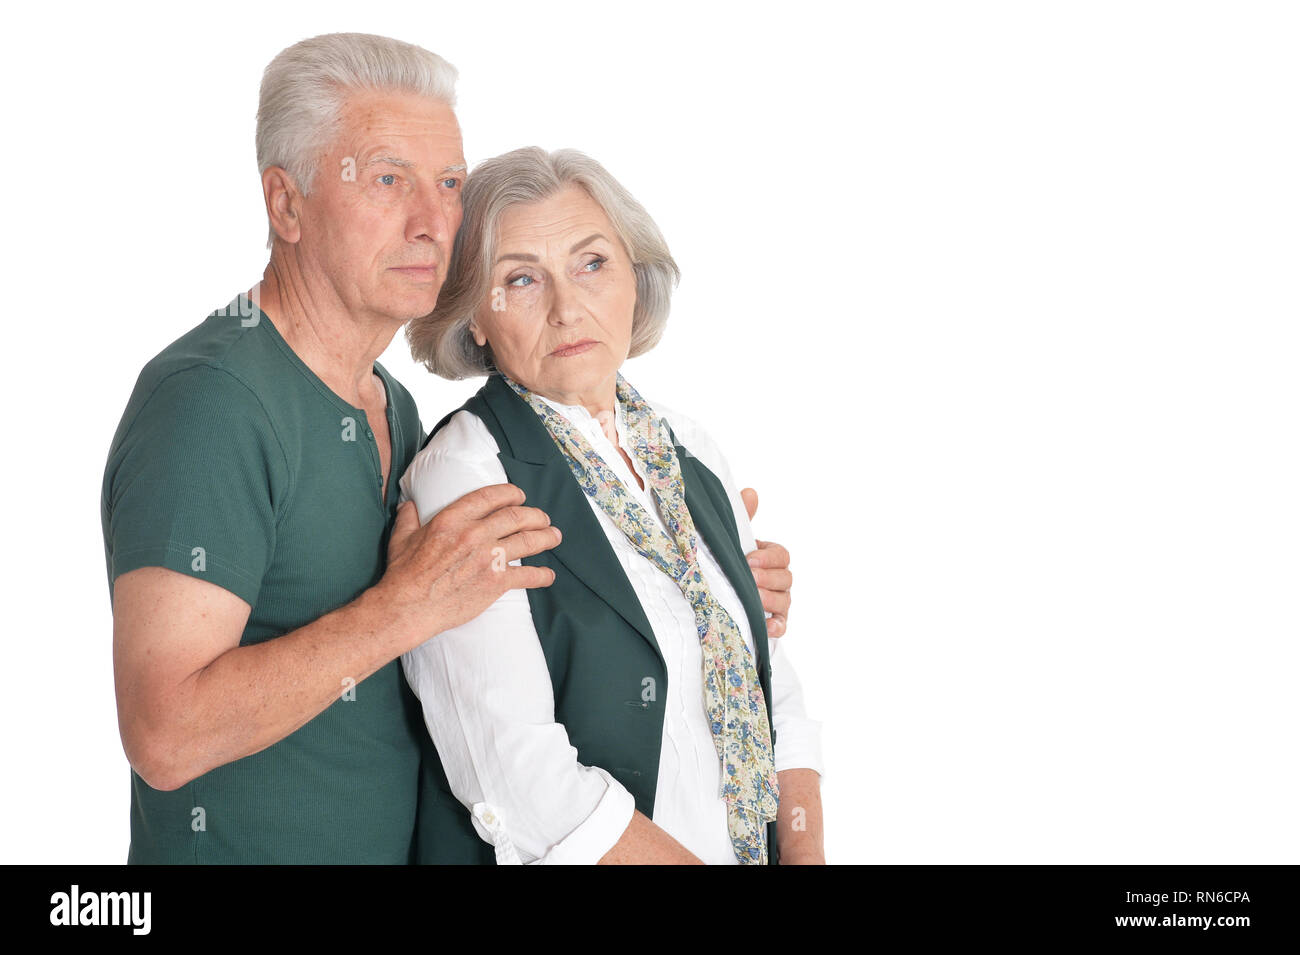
(598, 645)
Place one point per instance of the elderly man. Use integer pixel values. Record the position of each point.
(263, 581)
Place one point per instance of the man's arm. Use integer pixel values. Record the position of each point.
(190, 698)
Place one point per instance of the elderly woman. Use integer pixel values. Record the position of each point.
(629, 712)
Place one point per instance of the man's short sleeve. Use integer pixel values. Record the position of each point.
(193, 483)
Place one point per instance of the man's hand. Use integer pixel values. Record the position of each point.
(191, 698)
(771, 567)
(453, 568)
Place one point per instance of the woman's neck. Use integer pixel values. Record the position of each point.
(604, 400)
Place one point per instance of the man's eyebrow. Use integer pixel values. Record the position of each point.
(407, 164)
(579, 245)
(391, 160)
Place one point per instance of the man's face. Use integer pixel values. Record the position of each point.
(385, 205)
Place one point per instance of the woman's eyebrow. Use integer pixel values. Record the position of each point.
(524, 257)
(579, 245)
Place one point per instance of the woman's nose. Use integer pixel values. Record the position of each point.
(567, 307)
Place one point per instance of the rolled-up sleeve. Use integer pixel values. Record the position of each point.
(488, 703)
(798, 738)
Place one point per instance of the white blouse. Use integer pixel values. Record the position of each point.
(486, 690)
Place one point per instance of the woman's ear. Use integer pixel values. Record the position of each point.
(479, 338)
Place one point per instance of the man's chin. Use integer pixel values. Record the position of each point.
(412, 305)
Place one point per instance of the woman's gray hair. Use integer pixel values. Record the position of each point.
(303, 89)
(442, 341)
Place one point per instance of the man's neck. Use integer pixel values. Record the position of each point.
(339, 347)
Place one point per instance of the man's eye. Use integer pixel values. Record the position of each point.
(388, 179)
(521, 281)
(451, 183)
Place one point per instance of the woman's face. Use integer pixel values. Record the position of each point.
(559, 313)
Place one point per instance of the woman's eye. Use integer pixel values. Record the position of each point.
(597, 262)
(521, 281)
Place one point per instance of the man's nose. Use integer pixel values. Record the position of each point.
(432, 218)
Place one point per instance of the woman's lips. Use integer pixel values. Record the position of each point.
(576, 348)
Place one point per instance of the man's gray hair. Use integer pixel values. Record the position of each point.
(303, 89)
(442, 340)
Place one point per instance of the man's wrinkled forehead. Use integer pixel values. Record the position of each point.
(402, 130)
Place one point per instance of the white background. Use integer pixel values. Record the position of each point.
(994, 303)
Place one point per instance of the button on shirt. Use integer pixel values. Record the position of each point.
(487, 693)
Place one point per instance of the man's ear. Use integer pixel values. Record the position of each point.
(283, 203)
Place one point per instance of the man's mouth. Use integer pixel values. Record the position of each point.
(420, 273)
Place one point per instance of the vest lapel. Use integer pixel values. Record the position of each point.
(533, 463)
(718, 528)
(711, 510)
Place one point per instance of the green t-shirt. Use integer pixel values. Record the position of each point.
(234, 463)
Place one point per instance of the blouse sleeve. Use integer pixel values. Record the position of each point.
(486, 694)
(798, 738)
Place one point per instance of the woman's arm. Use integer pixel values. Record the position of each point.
(488, 703)
(799, 818)
(644, 843)
(798, 757)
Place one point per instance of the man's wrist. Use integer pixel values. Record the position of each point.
(390, 621)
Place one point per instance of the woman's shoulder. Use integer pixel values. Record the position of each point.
(464, 434)
(698, 443)
(460, 457)
(691, 435)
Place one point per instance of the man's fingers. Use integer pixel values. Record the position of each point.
(482, 502)
(775, 601)
(750, 497)
(529, 578)
(514, 520)
(528, 543)
(776, 625)
(772, 579)
(769, 555)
